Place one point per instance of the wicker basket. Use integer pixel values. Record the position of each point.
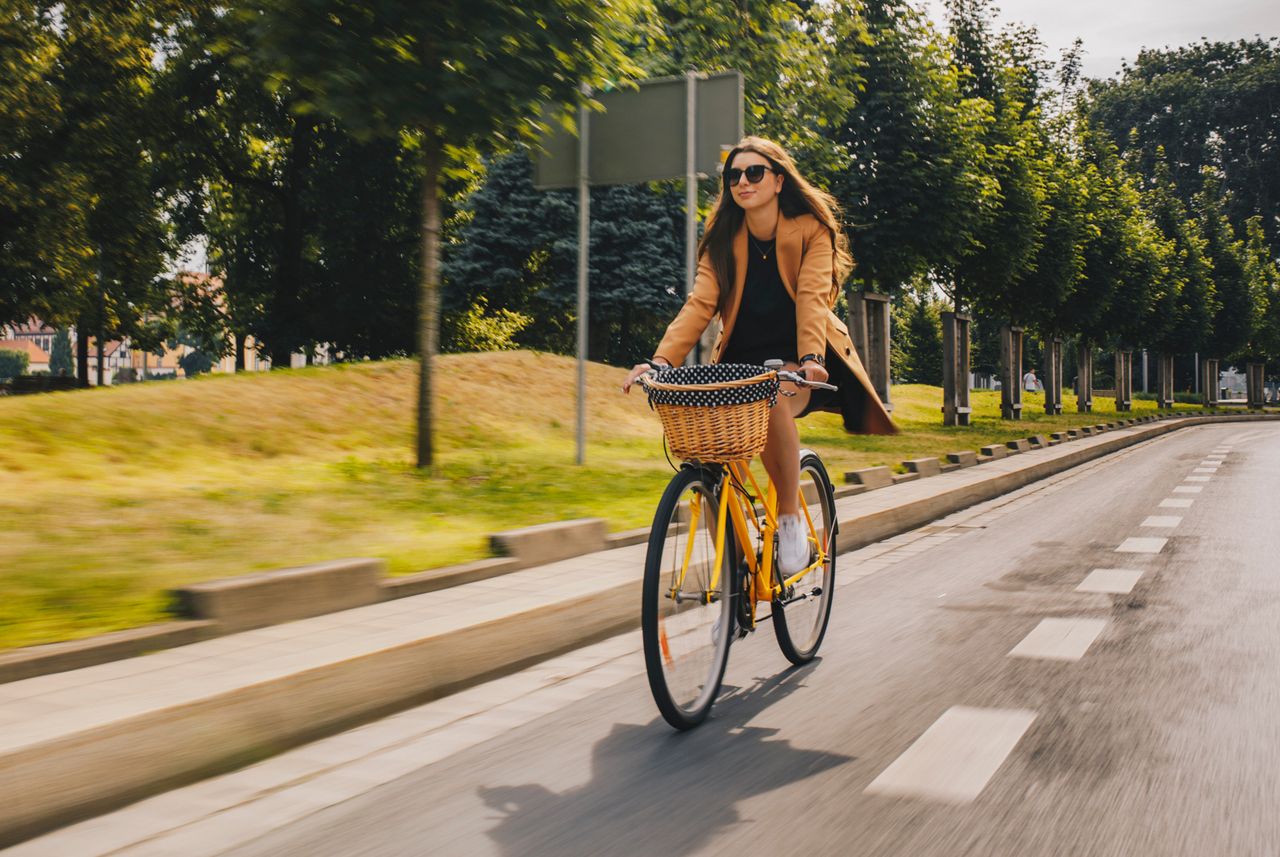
(717, 413)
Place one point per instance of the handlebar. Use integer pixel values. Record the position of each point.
(773, 365)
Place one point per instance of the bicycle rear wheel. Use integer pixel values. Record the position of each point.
(800, 617)
(687, 611)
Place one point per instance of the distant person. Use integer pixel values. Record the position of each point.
(1029, 382)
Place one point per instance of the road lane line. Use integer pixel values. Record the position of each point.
(1197, 478)
(1168, 521)
(1059, 639)
(957, 756)
(1188, 489)
(1141, 545)
(1176, 503)
(1205, 470)
(1115, 581)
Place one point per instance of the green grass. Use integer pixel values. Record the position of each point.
(111, 497)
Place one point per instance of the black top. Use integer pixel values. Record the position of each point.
(766, 324)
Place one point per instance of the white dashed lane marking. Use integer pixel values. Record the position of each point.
(1176, 503)
(1059, 639)
(1139, 544)
(1116, 581)
(957, 756)
(1197, 479)
(1189, 489)
(1205, 470)
(1168, 521)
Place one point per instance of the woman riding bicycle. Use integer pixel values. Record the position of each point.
(776, 239)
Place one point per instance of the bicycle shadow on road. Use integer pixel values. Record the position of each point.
(660, 793)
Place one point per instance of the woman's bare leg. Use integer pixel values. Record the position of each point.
(781, 454)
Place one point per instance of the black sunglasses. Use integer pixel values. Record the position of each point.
(754, 173)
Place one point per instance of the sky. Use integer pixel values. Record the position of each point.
(1113, 30)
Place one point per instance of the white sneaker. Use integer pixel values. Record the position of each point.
(793, 545)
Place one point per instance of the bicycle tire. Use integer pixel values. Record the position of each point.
(800, 620)
(686, 643)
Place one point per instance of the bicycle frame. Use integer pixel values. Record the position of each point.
(735, 509)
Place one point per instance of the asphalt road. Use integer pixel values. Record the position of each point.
(1161, 736)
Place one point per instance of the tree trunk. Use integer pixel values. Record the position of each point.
(239, 352)
(285, 312)
(429, 296)
(82, 353)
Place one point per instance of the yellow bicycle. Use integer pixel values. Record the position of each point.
(712, 548)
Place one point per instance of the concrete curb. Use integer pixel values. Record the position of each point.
(58, 781)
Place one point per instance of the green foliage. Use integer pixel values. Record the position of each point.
(1240, 303)
(799, 79)
(1001, 70)
(196, 362)
(477, 330)
(922, 349)
(1209, 104)
(60, 360)
(518, 250)
(1186, 301)
(1262, 276)
(916, 185)
(12, 363)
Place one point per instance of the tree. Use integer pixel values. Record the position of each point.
(1238, 301)
(797, 79)
(12, 363)
(455, 75)
(60, 360)
(922, 347)
(916, 185)
(1210, 104)
(1262, 276)
(1190, 300)
(1005, 72)
(517, 252)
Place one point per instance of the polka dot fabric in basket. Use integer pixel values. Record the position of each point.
(718, 373)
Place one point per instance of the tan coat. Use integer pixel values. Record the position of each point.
(805, 260)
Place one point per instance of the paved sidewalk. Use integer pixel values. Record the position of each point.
(78, 743)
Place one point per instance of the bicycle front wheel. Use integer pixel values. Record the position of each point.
(800, 617)
(687, 613)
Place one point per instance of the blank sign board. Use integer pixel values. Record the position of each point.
(640, 135)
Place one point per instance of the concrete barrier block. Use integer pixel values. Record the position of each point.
(1072, 434)
(1038, 441)
(283, 595)
(1017, 446)
(905, 477)
(964, 458)
(871, 477)
(1059, 436)
(923, 466)
(1087, 431)
(993, 451)
(949, 467)
(544, 543)
(1101, 427)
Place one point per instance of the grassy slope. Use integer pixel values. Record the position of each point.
(109, 497)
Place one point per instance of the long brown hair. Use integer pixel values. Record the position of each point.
(797, 197)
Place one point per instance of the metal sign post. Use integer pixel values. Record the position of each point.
(665, 128)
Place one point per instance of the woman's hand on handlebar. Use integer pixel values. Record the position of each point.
(814, 371)
(638, 370)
